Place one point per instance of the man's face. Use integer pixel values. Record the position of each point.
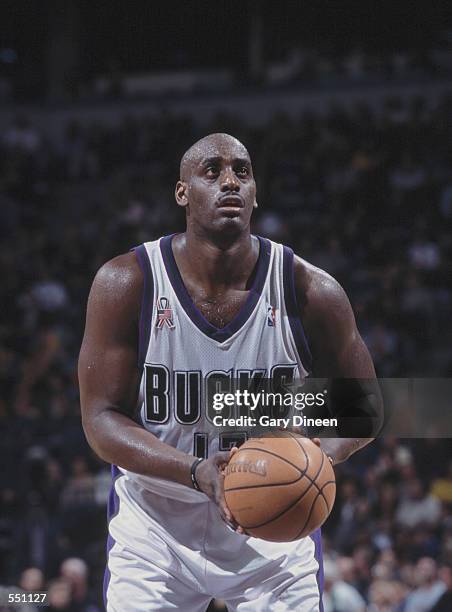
(218, 190)
(425, 570)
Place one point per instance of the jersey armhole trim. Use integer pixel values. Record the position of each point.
(292, 309)
(147, 302)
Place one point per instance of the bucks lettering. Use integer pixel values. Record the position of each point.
(187, 393)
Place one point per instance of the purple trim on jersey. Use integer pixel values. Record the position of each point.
(112, 510)
(217, 333)
(316, 537)
(293, 312)
(145, 324)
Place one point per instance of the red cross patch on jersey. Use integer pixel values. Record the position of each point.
(271, 316)
(164, 314)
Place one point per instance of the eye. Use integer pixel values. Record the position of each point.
(242, 171)
(211, 171)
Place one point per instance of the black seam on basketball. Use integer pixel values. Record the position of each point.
(319, 494)
(264, 450)
(282, 484)
(308, 517)
(320, 489)
(259, 486)
(312, 480)
(295, 438)
(275, 484)
(324, 485)
(273, 518)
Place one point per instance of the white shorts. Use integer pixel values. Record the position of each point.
(175, 555)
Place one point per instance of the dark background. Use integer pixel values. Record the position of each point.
(346, 112)
(100, 37)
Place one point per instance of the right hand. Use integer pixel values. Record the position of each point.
(210, 478)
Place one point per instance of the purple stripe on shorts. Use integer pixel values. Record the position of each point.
(112, 510)
(317, 539)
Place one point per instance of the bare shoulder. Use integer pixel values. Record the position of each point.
(318, 293)
(336, 345)
(121, 273)
(118, 284)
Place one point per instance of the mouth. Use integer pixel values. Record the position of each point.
(231, 202)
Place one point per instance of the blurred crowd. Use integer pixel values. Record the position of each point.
(387, 545)
(304, 65)
(388, 542)
(68, 590)
(298, 66)
(365, 195)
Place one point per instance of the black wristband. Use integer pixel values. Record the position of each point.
(193, 468)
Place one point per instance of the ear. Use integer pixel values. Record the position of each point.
(255, 205)
(181, 193)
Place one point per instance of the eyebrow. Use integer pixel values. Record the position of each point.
(211, 160)
(217, 159)
(242, 160)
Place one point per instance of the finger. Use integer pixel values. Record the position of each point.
(232, 523)
(294, 429)
(221, 500)
(316, 441)
(226, 515)
(298, 430)
(232, 452)
(225, 511)
(221, 458)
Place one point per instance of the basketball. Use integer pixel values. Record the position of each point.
(280, 488)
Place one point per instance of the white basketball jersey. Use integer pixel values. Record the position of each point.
(183, 356)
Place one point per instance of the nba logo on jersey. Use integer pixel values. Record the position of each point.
(164, 314)
(271, 316)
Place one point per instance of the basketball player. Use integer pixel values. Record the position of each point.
(163, 319)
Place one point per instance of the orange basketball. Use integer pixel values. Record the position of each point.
(280, 488)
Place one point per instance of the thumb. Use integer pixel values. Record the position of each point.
(221, 458)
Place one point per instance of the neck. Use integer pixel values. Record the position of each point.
(216, 261)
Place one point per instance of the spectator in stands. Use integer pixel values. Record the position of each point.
(444, 603)
(59, 596)
(339, 595)
(429, 588)
(80, 488)
(386, 596)
(75, 571)
(32, 579)
(418, 507)
(69, 204)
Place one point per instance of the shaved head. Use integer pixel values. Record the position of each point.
(217, 187)
(208, 146)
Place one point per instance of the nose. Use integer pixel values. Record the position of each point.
(229, 181)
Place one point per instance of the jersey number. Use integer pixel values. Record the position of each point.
(226, 441)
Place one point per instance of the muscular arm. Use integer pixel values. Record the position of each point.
(109, 377)
(340, 355)
(109, 384)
